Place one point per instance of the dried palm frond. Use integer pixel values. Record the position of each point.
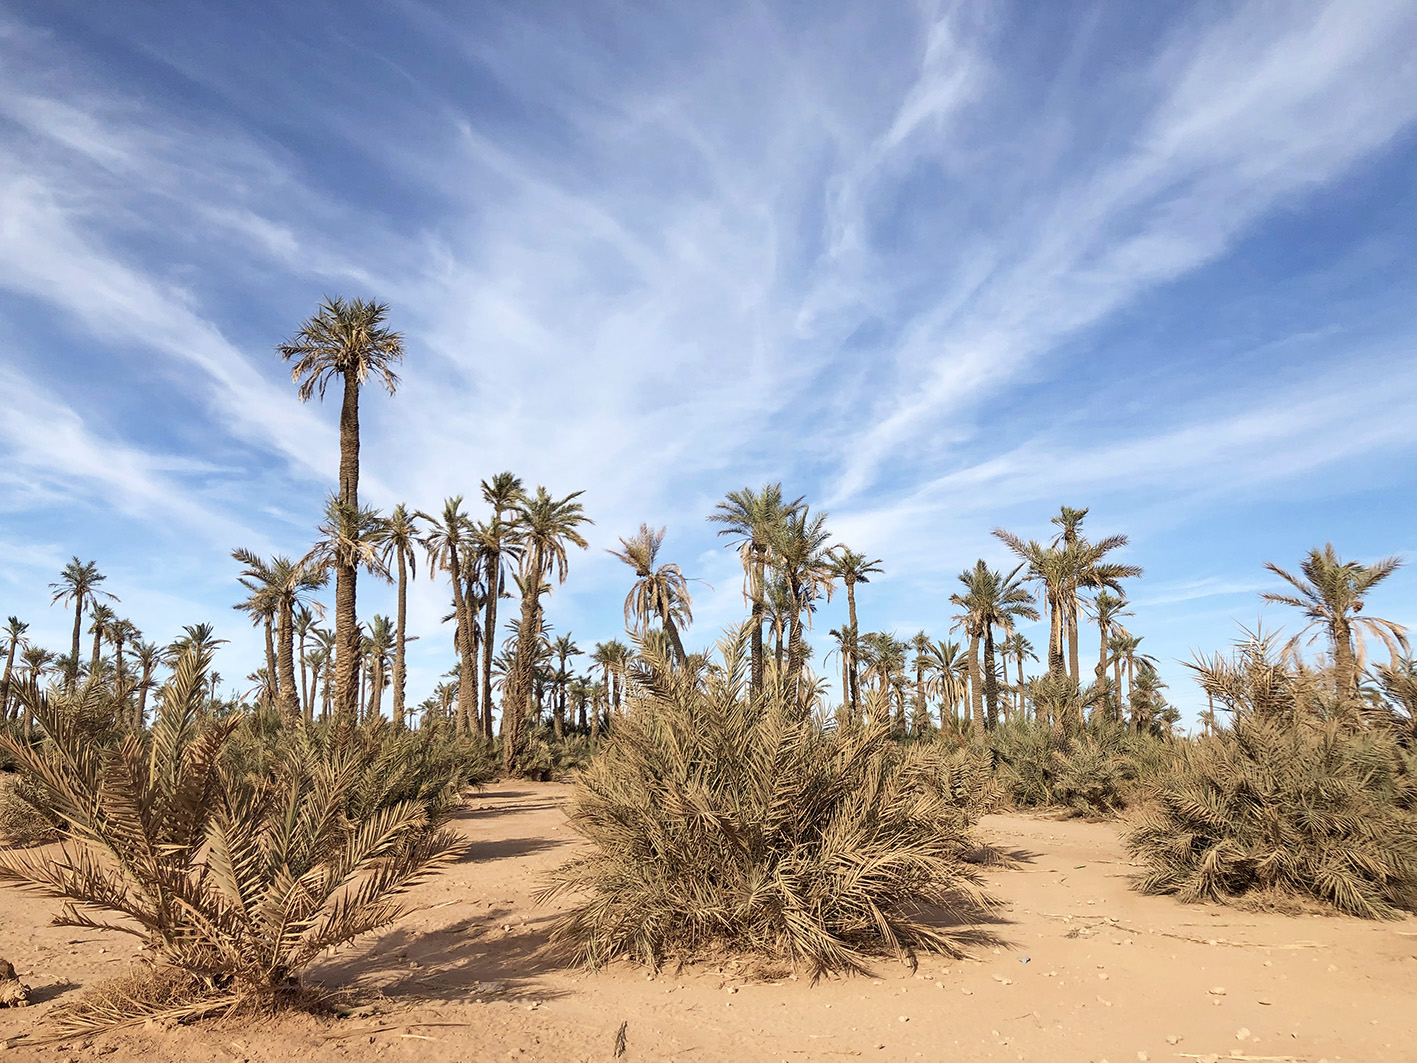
(718, 820)
(237, 881)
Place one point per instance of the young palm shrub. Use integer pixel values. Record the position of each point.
(719, 821)
(1292, 799)
(236, 881)
(1099, 771)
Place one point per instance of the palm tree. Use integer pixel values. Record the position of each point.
(990, 600)
(921, 644)
(14, 636)
(283, 586)
(262, 606)
(753, 518)
(800, 556)
(564, 648)
(36, 660)
(79, 583)
(851, 568)
(445, 542)
(304, 626)
(348, 341)
(949, 670)
(1125, 649)
(350, 539)
(545, 526)
(1107, 610)
(496, 543)
(121, 633)
(379, 643)
(1331, 592)
(1090, 570)
(1019, 649)
(146, 656)
(400, 538)
(195, 638)
(660, 593)
(99, 620)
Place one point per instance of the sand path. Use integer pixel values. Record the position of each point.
(1089, 971)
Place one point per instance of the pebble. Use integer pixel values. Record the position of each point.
(902, 1018)
(1142, 1057)
(1242, 1034)
(1174, 1039)
(1217, 991)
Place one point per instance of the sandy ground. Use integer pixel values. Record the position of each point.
(1088, 970)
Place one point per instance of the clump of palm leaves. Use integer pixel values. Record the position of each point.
(1294, 798)
(547, 758)
(721, 821)
(235, 880)
(24, 816)
(1098, 771)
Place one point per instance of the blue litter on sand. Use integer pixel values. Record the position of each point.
(1023, 959)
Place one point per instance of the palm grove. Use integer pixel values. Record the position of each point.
(659, 729)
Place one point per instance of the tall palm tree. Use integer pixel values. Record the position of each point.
(304, 625)
(79, 584)
(99, 620)
(496, 544)
(1107, 610)
(659, 592)
(1020, 649)
(564, 648)
(350, 539)
(1331, 592)
(147, 656)
(447, 535)
(1125, 649)
(921, 645)
(400, 538)
(263, 607)
(287, 585)
(799, 552)
(120, 634)
(990, 600)
(545, 527)
(851, 568)
(752, 518)
(381, 641)
(949, 671)
(37, 661)
(345, 340)
(348, 341)
(14, 637)
(1089, 570)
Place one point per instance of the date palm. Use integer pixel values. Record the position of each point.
(261, 605)
(949, 673)
(99, 620)
(147, 656)
(1019, 649)
(15, 641)
(37, 660)
(799, 553)
(378, 645)
(990, 600)
(851, 568)
(344, 341)
(496, 544)
(304, 626)
(753, 518)
(1107, 609)
(545, 527)
(659, 592)
(350, 539)
(563, 649)
(1331, 592)
(121, 634)
(79, 584)
(1089, 570)
(287, 586)
(445, 541)
(401, 535)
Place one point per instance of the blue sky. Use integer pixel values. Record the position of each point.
(939, 268)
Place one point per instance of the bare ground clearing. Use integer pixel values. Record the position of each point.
(1090, 971)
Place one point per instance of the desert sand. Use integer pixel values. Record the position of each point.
(1086, 970)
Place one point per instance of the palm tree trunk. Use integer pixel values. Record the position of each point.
(474, 646)
(1022, 706)
(759, 566)
(285, 691)
(489, 639)
(5, 683)
(78, 631)
(673, 632)
(794, 654)
(346, 693)
(558, 717)
(272, 677)
(1055, 635)
(851, 619)
(142, 711)
(991, 680)
(349, 442)
(461, 632)
(1117, 679)
(399, 640)
(1345, 664)
(920, 712)
(519, 691)
(97, 646)
(307, 696)
(376, 690)
(1074, 672)
(975, 685)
